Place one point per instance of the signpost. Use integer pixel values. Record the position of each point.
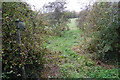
(20, 26)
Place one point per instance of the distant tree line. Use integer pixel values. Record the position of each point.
(72, 14)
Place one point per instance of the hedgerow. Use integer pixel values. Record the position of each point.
(29, 54)
(101, 21)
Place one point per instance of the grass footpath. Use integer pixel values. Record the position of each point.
(68, 59)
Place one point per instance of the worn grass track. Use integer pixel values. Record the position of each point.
(68, 58)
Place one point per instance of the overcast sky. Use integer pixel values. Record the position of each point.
(72, 5)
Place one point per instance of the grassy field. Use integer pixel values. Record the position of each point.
(71, 59)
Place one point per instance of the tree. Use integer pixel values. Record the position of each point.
(56, 10)
(56, 15)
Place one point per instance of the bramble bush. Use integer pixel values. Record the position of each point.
(29, 54)
(101, 21)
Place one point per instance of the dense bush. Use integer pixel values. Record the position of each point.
(29, 54)
(101, 20)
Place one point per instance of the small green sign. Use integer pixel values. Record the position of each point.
(21, 25)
